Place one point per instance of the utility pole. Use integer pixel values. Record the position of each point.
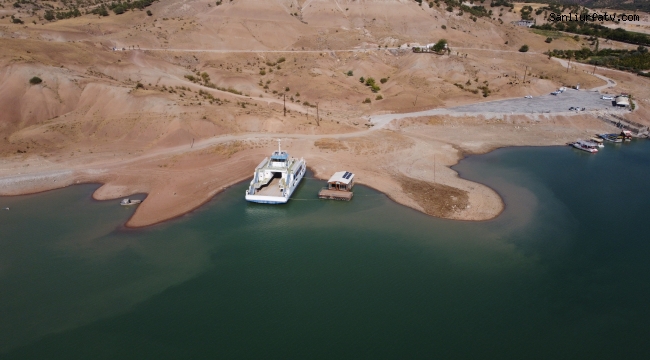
(593, 72)
(434, 168)
(317, 116)
(285, 104)
(525, 73)
(416, 100)
(568, 65)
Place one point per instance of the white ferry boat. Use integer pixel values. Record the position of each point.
(587, 146)
(276, 178)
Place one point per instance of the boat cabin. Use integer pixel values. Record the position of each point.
(341, 181)
(339, 186)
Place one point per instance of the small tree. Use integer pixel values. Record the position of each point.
(367, 101)
(35, 80)
(440, 45)
(350, 73)
(362, 80)
(118, 10)
(383, 80)
(523, 48)
(149, 13)
(548, 40)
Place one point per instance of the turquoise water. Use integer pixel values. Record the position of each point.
(563, 273)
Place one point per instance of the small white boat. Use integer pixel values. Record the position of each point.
(599, 142)
(587, 146)
(127, 202)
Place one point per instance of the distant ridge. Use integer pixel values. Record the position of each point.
(642, 5)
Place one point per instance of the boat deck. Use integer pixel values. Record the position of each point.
(335, 194)
(272, 189)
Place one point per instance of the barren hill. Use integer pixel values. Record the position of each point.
(106, 96)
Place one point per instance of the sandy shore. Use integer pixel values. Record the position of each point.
(409, 160)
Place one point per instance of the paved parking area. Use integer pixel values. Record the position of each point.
(590, 100)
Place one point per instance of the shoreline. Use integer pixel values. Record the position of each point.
(393, 197)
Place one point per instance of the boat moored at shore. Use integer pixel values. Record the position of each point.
(615, 138)
(275, 179)
(588, 146)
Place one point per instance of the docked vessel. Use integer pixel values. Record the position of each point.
(611, 138)
(276, 178)
(587, 146)
(599, 142)
(127, 202)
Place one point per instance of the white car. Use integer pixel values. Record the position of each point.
(528, 97)
(605, 97)
(562, 89)
(555, 92)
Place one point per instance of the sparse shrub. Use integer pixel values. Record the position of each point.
(262, 72)
(379, 97)
(139, 86)
(366, 101)
(444, 27)
(440, 45)
(35, 80)
(149, 13)
(118, 10)
(17, 21)
(548, 40)
(362, 80)
(286, 89)
(350, 73)
(383, 80)
(523, 48)
(281, 60)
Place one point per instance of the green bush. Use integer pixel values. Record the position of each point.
(350, 73)
(523, 48)
(379, 97)
(118, 10)
(35, 80)
(548, 40)
(440, 45)
(383, 80)
(149, 13)
(366, 101)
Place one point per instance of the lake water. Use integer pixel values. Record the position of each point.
(563, 273)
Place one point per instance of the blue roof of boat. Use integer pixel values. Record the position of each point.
(280, 156)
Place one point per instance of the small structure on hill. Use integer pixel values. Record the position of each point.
(339, 187)
(526, 23)
(622, 100)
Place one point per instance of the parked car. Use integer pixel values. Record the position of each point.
(528, 97)
(555, 92)
(607, 97)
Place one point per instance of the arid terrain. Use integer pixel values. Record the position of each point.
(186, 101)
